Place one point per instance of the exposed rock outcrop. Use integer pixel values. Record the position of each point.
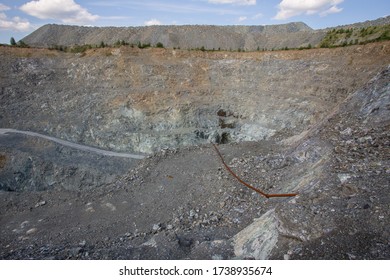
(135, 100)
(339, 212)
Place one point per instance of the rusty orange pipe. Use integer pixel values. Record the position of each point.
(246, 184)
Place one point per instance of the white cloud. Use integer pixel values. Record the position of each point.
(235, 2)
(240, 19)
(291, 8)
(331, 10)
(259, 15)
(65, 10)
(152, 22)
(4, 7)
(15, 23)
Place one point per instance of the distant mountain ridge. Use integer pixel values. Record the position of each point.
(237, 37)
(184, 37)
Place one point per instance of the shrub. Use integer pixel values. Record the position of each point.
(58, 48)
(23, 44)
(143, 46)
(80, 49)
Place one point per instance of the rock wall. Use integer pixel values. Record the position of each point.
(146, 100)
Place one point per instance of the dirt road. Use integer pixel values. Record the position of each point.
(72, 145)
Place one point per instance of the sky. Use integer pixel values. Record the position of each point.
(18, 18)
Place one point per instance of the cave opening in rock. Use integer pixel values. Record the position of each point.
(224, 138)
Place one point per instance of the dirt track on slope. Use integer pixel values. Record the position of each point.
(72, 145)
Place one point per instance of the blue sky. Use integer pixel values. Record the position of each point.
(20, 17)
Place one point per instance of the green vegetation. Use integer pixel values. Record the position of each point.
(58, 48)
(12, 41)
(143, 46)
(159, 45)
(121, 43)
(353, 36)
(385, 35)
(73, 49)
(80, 49)
(308, 47)
(22, 44)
